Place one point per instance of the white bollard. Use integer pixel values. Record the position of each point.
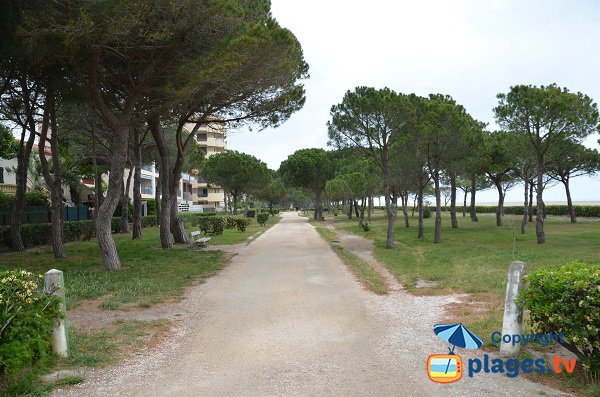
(54, 284)
(513, 314)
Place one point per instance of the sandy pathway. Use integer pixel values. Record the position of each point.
(287, 318)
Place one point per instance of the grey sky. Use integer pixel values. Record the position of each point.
(471, 50)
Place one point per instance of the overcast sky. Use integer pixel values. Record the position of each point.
(471, 50)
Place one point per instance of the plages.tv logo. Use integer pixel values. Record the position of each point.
(448, 368)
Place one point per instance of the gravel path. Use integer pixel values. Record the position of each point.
(287, 318)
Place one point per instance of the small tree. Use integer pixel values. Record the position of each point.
(569, 160)
(310, 169)
(273, 192)
(547, 116)
(237, 173)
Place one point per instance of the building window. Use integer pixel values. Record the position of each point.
(203, 192)
(201, 137)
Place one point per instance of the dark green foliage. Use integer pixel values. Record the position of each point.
(151, 204)
(115, 225)
(242, 223)
(27, 316)
(210, 225)
(35, 198)
(586, 211)
(73, 231)
(149, 221)
(6, 199)
(426, 212)
(567, 300)
(364, 225)
(262, 218)
(251, 213)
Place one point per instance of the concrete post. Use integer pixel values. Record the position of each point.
(54, 284)
(513, 314)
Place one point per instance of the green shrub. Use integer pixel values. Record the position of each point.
(250, 214)
(364, 225)
(115, 225)
(36, 198)
(36, 234)
(585, 211)
(567, 300)
(211, 225)
(27, 316)
(242, 223)
(6, 199)
(262, 218)
(75, 230)
(149, 221)
(151, 205)
(426, 212)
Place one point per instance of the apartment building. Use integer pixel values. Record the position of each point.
(193, 194)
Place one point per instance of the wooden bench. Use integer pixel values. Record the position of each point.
(198, 240)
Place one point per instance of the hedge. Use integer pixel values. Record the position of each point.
(262, 218)
(41, 233)
(585, 211)
(567, 300)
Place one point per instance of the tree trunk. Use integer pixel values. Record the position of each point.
(113, 194)
(531, 185)
(318, 211)
(177, 226)
(362, 211)
(125, 203)
(539, 219)
(370, 209)
(465, 204)
(97, 191)
(525, 208)
(389, 206)
(165, 165)
(437, 237)
(453, 218)
(421, 213)
(137, 182)
(356, 208)
(23, 156)
(569, 202)
(235, 196)
(157, 197)
(500, 208)
(404, 196)
(54, 182)
(350, 209)
(474, 217)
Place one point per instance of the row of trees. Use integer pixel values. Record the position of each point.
(124, 71)
(399, 146)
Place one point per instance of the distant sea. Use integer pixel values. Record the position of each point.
(515, 203)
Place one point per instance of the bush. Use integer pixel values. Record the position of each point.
(242, 223)
(250, 214)
(149, 221)
(364, 225)
(151, 205)
(27, 316)
(6, 199)
(585, 211)
(426, 212)
(567, 300)
(36, 198)
(75, 230)
(115, 225)
(211, 225)
(262, 218)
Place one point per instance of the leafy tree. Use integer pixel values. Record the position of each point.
(372, 120)
(309, 169)
(499, 166)
(443, 122)
(569, 160)
(8, 144)
(547, 115)
(237, 173)
(273, 192)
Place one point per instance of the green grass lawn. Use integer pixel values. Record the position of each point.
(475, 258)
(367, 276)
(233, 236)
(149, 274)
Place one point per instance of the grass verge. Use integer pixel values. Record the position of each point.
(367, 276)
(149, 274)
